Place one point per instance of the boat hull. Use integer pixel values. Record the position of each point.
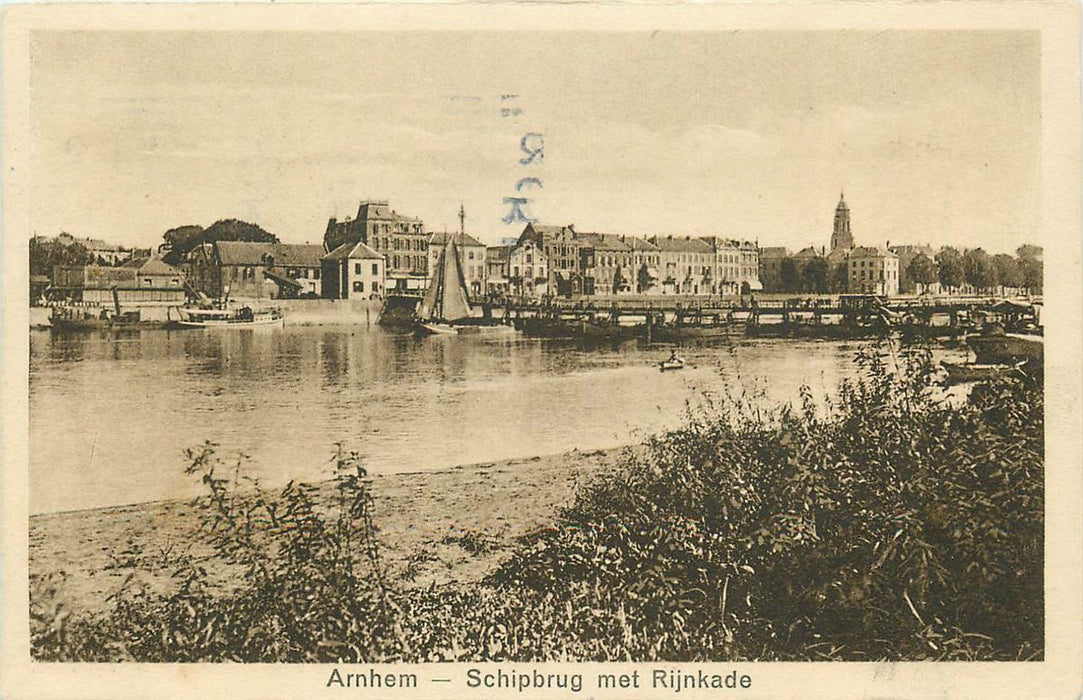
(1006, 349)
(231, 324)
(437, 329)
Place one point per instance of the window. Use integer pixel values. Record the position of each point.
(359, 286)
(315, 274)
(375, 286)
(470, 255)
(376, 269)
(357, 268)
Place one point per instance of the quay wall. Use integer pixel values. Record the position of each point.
(330, 312)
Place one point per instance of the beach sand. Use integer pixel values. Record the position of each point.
(87, 556)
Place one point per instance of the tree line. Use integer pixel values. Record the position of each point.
(951, 268)
(49, 253)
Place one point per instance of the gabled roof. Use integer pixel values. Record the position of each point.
(775, 252)
(353, 251)
(807, 252)
(461, 239)
(639, 244)
(155, 266)
(284, 254)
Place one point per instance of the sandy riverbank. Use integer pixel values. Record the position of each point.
(422, 516)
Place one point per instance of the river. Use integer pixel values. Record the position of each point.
(111, 415)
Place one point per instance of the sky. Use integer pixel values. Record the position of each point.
(934, 136)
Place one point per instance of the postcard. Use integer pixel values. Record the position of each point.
(541, 351)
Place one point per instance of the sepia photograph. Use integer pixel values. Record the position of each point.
(593, 360)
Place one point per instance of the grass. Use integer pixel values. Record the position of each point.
(892, 525)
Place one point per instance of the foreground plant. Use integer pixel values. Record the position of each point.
(893, 525)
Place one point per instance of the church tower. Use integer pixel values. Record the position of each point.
(842, 238)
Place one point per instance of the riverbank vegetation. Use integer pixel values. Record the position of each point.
(892, 525)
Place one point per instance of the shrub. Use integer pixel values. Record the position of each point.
(892, 525)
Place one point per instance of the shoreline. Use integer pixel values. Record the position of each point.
(451, 525)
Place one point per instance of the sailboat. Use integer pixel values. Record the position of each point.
(445, 301)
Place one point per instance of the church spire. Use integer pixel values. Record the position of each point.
(842, 237)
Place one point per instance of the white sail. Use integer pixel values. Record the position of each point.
(454, 305)
(446, 298)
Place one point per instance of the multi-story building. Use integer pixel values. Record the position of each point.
(400, 239)
(646, 259)
(471, 255)
(686, 264)
(242, 269)
(736, 266)
(354, 271)
(528, 270)
(560, 247)
(607, 264)
(873, 271)
(496, 268)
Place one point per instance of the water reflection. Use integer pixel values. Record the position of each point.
(110, 415)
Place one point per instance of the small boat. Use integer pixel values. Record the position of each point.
(1006, 348)
(674, 362)
(436, 328)
(244, 317)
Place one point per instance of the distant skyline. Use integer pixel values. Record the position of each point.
(934, 136)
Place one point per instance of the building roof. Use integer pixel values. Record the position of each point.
(155, 266)
(498, 252)
(284, 254)
(864, 251)
(678, 244)
(807, 252)
(461, 239)
(545, 228)
(775, 252)
(353, 251)
(603, 241)
(635, 243)
(379, 210)
(915, 249)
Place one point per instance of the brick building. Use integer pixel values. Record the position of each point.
(401, 239)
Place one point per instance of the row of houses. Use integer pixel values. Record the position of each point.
(561, 261)
(145, 281)
(381, 251)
